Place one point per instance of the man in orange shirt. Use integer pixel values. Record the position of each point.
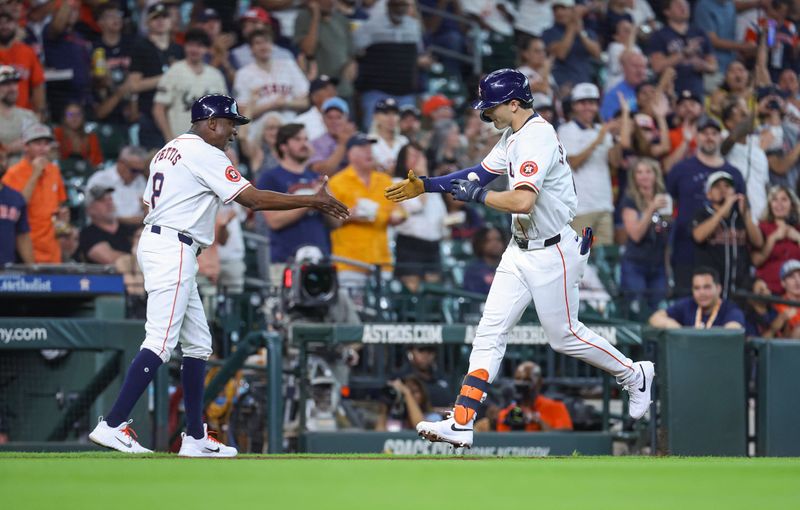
(532, 412)
(23, 58)
(363, 236)
(39, 181)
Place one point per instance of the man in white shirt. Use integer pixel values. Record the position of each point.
(270, 84)
(588, 144)
(127, 179)
(184, 82)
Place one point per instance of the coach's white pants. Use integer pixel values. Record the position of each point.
(550, 277)
(174, 308)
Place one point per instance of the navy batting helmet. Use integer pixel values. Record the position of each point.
(217, 105)
(500, 87)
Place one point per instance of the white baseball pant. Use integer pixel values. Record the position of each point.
(550, 277)
(174, 308)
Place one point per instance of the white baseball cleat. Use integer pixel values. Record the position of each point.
(121, 438)
(208, 446)
(446, 431)
(639, 391)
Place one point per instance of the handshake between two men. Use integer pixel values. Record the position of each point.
(465, 190)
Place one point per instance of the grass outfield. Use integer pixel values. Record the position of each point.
(111, 481)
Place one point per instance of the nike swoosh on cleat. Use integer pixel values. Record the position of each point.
(212, 451)
(644, 380)
(127, 445)
(454, 429)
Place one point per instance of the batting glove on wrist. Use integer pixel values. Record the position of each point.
(468, 191)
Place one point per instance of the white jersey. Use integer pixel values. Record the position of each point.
(533, 157)
(189, 180)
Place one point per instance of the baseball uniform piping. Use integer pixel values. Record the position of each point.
(232, 197)
(174, 300)
(569, 320)
(498, 172)
(523, 184)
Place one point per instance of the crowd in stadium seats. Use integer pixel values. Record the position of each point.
(681, 123)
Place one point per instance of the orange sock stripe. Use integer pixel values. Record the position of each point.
(462, 414)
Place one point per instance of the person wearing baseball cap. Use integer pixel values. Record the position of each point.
(687, 182)
(723, 230)
(105, 239)
(364, 236)
(321, 89)
(683, 137)
(410, 123)
(152, 56)
(438, 107)
(586, 144)
(14, 118)
(330, 149)
(39, 181)
(787, 323)
(385, 127)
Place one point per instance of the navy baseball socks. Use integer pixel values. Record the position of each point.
(198, 441)
(140, 374)
(115, 432)
(193, 374)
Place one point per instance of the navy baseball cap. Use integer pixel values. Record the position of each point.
(688, 94)
(208, 14)
(156, 10)
(359, 140)
(320, 82)
(387, 105)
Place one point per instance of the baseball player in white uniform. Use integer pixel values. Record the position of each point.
(544, 262)
(190, 178)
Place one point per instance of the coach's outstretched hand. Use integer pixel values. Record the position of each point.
(325, 203)
(405, 189)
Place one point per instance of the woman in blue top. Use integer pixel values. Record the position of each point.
(646, 216)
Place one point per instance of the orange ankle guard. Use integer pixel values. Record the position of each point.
(473, 393)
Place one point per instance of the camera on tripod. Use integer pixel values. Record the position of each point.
(309, 285)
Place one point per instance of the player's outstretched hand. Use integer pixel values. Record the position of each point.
(325, 203)
(405, 189)
(468, 191)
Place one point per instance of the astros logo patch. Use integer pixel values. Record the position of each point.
(528, 168)
(232, 174)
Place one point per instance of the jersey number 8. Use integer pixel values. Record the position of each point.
(158, 183)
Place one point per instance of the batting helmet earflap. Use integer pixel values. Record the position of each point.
(501, 86)
(217, 105)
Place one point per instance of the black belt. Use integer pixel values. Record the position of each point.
(188, 241)
(524, 244)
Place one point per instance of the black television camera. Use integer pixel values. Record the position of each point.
(309, 285)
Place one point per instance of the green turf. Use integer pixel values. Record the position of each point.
(114, 482)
